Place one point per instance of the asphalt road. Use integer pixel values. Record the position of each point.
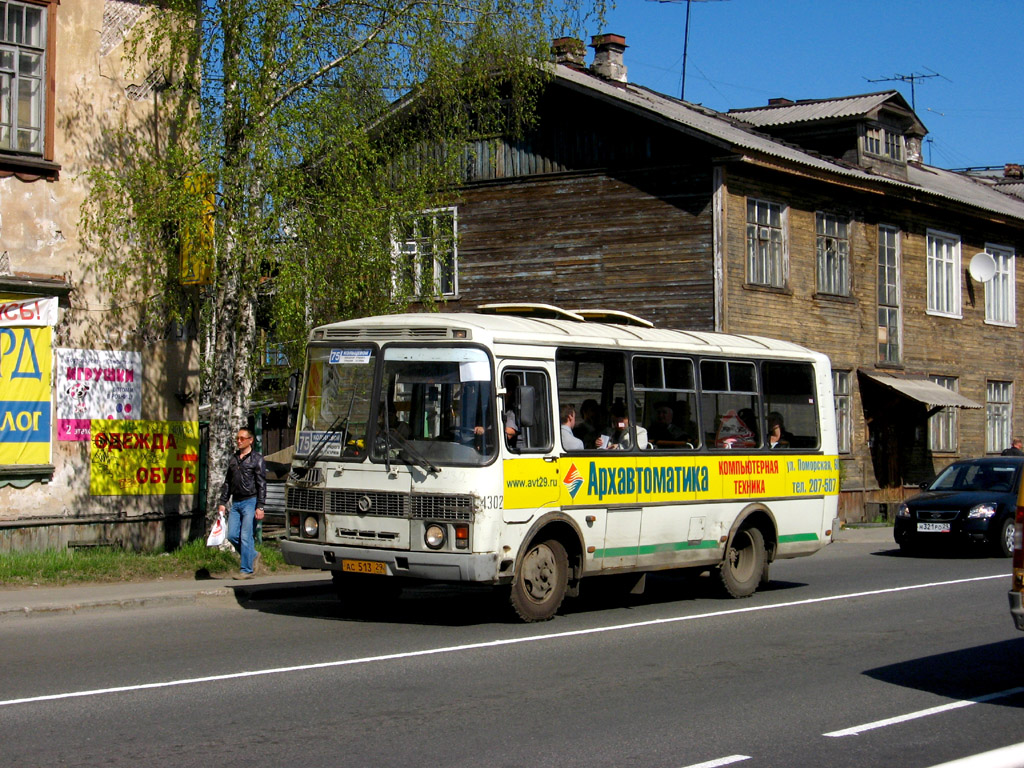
(854, 657)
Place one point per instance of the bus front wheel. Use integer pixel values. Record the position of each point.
(743, 566)
(539, 587)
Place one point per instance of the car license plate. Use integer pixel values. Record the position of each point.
(365, 566)
(933, 527)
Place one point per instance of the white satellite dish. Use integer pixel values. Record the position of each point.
(983, 267)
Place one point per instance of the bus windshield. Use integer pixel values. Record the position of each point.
(335, 414)
(437, 406)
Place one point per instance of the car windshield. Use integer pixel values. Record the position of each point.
(979, 476)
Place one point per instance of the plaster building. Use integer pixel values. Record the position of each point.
(812, 221)
(98, 424)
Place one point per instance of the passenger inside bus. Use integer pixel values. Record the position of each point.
(567, 415)
(509, 416)
(778, 437)
(621, 438)
(588, 426)
(664, 432)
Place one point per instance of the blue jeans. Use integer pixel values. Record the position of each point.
(240, 525)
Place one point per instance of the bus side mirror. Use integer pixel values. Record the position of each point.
(527, 407)
(293, 391)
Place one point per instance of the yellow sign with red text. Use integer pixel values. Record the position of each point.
(136, 458)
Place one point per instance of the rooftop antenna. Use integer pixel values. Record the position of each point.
(912, 78)
(686, 37)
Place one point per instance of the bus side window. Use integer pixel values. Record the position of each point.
(526, 415)
(730, 404)
(789, 398)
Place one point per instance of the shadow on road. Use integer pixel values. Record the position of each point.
(963, 674)
(458, 605)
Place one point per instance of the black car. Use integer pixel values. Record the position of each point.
(971, 501)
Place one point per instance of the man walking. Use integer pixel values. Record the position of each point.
(246, 484)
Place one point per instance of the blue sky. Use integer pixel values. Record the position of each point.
(744, 52)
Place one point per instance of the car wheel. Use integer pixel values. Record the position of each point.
(1003, 543)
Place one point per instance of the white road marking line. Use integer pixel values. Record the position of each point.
(488, 644)
(720, 762)
(858, 729)
(1007, 757)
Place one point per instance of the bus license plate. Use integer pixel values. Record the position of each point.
(933, 527)
(364, 566)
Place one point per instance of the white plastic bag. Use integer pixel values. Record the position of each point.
(219, 531)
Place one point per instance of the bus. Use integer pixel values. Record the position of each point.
(440, 447)
(1016, 593)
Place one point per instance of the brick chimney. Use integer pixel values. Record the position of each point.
(1013, 171)
(569, 51)
(780, 102)
(608, 50)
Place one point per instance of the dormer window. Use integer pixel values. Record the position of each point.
(878, 141)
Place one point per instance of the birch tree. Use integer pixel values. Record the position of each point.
(275, 159)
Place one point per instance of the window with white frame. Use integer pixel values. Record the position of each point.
(943, 274)
(889, 308)
(22, 77)
(426, 255)
(1000, 291)
(843, 398)
(942, 426)
(766, 252)
(833, 254)
(998, 415)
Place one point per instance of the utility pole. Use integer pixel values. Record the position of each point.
(686, 37)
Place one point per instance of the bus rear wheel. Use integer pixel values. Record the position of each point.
(741, 571)
(539, 587)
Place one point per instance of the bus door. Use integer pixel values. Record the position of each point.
(526, 420)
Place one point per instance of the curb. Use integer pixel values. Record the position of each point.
(238, 595)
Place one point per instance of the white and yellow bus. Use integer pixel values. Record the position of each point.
(432, 447)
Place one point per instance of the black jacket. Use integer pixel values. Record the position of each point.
(245, 478)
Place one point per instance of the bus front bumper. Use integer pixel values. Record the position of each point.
(435, 566)
(1017, 609)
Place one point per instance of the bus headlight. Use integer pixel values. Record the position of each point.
(310, 527)
(434, 536)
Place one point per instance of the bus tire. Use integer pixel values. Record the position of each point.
(540, 583)
(741, 571)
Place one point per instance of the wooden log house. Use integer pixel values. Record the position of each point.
(813, 221)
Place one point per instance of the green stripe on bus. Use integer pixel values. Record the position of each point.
(793, 537)
(678, 546)
(652, 549)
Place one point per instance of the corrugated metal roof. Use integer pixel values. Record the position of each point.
(807, 111)
(924, 391)
(734, 136)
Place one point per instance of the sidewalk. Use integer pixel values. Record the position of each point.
(21, 602)
(31, 602)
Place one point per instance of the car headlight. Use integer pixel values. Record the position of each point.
(903, 510)
(982, 511)
(310, 527)
(434, 536)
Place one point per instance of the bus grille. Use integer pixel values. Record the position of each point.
(420, 506)
(306, 499)
(443, 507)
(371, 503)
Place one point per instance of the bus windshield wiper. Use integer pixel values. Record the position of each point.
(341, 423)
(417, 457)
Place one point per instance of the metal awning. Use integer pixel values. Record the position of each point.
(924, 391)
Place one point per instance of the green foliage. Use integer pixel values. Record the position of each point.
(105, 564)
